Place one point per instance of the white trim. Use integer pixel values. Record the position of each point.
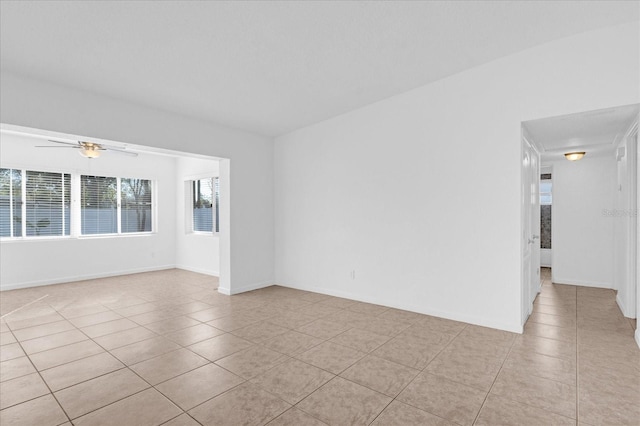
(637, 334)
(583, 283)
(199, 270)
(243, 289)
(623, 307)
(527, 136)
(542, 258)
(199, 176)
(630, 132)
(84, 277)
(515, 327)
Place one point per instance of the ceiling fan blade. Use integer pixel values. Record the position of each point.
(111, 146)
(76, 145)
(49, 146)
(122, 151)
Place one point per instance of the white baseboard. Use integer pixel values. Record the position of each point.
(245, 288)
(622, 306)
(61, 280)
(583, 283)
(455, 316)
(249, 287)
(199, 270)
(638, 336)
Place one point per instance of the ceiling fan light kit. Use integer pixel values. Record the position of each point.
(89, 152)
(89, 149)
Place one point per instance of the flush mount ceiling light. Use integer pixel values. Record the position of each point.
(574, 156)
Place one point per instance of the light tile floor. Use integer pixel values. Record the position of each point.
(165, 348)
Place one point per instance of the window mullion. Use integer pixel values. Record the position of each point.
(76, 213)
(11, 209)
(23, 207)
(64, 229)
(119, 204)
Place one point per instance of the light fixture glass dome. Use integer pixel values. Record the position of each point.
(574, 156)
(89, 152)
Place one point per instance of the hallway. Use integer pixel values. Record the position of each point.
(585, 327)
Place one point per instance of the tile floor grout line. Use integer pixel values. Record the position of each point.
(22, 307)
(423, 371)
(43, 381)
(525, 403)
(174, 418)
(484, 401)
(273, 299)
(111, 403)
(125, 366)
(135, 373)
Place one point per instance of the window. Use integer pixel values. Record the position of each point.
(110, 205)
(48, 203)
(98, 205)
(38, 204)
(34, 203)
(135, 201)
(546, 199)
(545, 193)
(206, 204)
(10, 203)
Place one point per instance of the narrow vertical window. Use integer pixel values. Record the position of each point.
(206, 205)
(216, 186)
(546, 199)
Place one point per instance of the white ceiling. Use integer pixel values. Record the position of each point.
(595, 132)
(272, 67)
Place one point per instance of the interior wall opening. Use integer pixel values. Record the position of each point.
(128, 209)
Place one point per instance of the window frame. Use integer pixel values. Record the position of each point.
(550, 193)
(118, 232)
(215, 205)
(23, 208)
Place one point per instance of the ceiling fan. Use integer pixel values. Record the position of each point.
(89, 149)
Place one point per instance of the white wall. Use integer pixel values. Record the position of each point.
(41, 105)
(45, 261)
(400, 191)
(582, 240)
(194, 252)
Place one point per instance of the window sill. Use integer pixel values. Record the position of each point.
(203, 234)
(35, 238)
(127, 235)
(79, 237)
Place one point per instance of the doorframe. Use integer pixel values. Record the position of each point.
(637, 171)
(528, 293)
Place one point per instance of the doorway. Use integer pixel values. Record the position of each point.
(594, 212)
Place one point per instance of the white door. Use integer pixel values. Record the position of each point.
(530, 238)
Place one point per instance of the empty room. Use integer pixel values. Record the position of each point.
(319, 213)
